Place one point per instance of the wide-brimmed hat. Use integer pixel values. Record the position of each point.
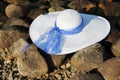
(67, 31)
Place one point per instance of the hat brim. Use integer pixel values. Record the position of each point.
(95, 29)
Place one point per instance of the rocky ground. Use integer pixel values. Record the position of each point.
(100, 61)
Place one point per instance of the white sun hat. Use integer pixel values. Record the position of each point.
(67, 31)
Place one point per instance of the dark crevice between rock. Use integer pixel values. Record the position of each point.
(3, 5)
(29, 40)
(27, 19)
(95, 71)
(49, 61)
(96, 11)
(67, 57)
(116, 0)
(18, 28)
(107, 45)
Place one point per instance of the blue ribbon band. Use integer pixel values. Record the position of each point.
(52, 40)
(25, 48)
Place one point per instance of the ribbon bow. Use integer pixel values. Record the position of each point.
(52, 40)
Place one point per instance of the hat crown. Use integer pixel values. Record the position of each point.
(68, 19)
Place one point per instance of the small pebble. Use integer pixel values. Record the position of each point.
(58, 76)
(68, 65)
(8, 61)
(62, 67)
(10, 76)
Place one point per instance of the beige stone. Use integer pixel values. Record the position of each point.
(88, 58)
(31, 63)
(110, 69)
